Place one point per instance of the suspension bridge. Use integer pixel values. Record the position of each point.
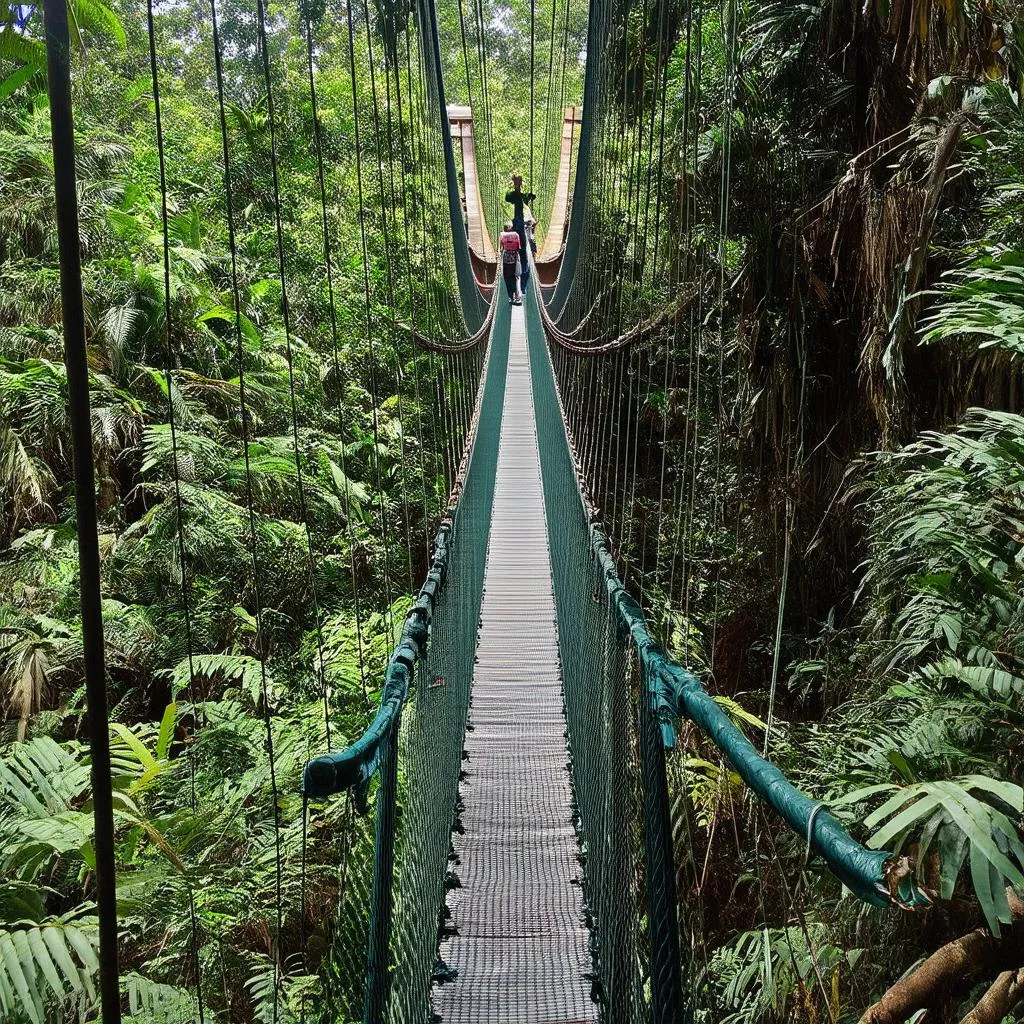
(525, 861)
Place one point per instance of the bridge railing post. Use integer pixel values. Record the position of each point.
(378, 964)
(62, 127)
(667, 1000)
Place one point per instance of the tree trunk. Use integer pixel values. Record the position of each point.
(1000, 999)
(952, 968)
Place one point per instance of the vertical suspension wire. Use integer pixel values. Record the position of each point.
(696, 349)
(560, 116)
(182, 552)
(400, 377)
(671, 333)
(420, 390)
(435, 359)
(58, 65)
(659, 89)
(336, 362)
(609, 182)
(533, 75)
(618, 226)
(452, 324)
(246, 426)
(633, 392)
(691, 101)
(488, 113)
(414, 359)
(287, 318)
(300, 481)
(547, 108)
(422, 157)
(481, 32)
(389, 273)
(684, 271)
(731, 19)
(444, 411)
(440, 137)
(368, 318)
(661, 79)
(288, 335)
(604, 190)
(696, 322)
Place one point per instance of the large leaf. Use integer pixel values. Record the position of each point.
(43, 965)
(16, 79)
(248, 674)
(227, 314)
(967, 818)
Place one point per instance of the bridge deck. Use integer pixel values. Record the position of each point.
(554, 236)
(461, 121)
(521, 951)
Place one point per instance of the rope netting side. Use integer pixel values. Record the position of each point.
(435, 720)
(415, 741)
(590, 614)
(602, 703)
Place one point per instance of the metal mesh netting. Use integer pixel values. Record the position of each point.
(435, 719)
(344, 966)
(603, 711)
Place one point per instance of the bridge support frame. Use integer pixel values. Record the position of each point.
(667, 1001)
(58, 60)
(378, 978)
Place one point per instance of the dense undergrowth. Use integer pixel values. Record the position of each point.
(267, 490)
(836, 399)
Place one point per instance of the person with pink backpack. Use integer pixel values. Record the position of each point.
(510, 245)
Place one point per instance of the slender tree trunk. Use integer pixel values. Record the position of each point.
(953, 968)
(1000, 999)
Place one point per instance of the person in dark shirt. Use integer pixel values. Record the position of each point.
(518, 198)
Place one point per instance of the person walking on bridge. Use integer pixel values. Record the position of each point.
(525, 256)
(519, 199)
(510, 254)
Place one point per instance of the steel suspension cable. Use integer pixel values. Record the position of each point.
(336, 361)
(178, 509)
(58, 63)
(368, 314)
(250, 505)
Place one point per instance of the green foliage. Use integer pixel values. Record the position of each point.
(975, 819)
(945, 575)
(774, 973)
(251, 558)
(45, 960)
(985, 303)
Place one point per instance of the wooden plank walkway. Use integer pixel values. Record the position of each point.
(461, 121)
(554, 234)
(521, 948)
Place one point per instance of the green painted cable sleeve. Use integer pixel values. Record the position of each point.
(679, 694)
(356, 764)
